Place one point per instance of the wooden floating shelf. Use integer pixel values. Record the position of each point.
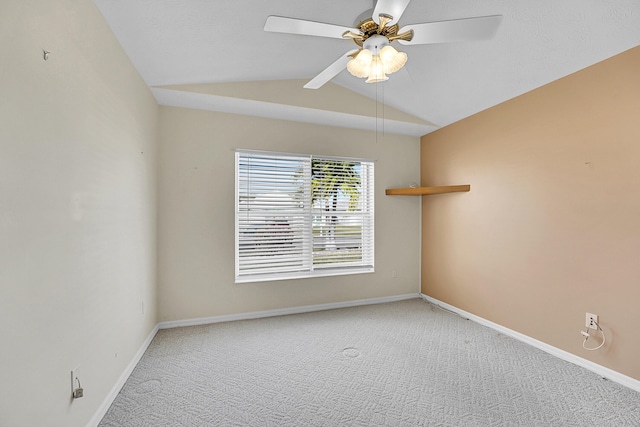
(425, 191)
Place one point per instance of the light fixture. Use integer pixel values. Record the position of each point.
(361, 64)
(376, 59)
(392, 60)
(376, 72)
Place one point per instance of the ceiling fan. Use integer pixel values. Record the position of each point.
(374, 32)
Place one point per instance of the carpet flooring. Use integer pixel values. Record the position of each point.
(407, 363)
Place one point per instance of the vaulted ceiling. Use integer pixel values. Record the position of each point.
(215, 55)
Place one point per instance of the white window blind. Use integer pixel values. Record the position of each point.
(302, 216)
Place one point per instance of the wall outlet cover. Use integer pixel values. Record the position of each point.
(589, 321)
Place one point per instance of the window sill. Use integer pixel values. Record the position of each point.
(304, 275)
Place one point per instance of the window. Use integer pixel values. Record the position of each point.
(302, 216)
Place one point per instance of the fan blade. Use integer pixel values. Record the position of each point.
(393, 8)
(480, 28)
(330, 72)
(281, 24)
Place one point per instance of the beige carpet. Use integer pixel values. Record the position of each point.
(406, 363)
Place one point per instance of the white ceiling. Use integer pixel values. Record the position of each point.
(187, 42)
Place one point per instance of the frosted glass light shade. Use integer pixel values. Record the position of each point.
(376, 73)
(361, 64)
(387, 53)
(357, 70)
(364, 57)
(392, 60)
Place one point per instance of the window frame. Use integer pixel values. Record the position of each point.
(366, 203)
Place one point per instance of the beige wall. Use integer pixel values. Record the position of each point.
(77, 211)
(196, 214)
(551, 227)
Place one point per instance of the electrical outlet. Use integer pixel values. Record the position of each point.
(394, 274)
(78, 393)
(591, 321)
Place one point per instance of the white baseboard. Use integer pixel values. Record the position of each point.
(104, 407)
(610, 374)
(282, 311)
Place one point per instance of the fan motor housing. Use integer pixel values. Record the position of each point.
(369, 28)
